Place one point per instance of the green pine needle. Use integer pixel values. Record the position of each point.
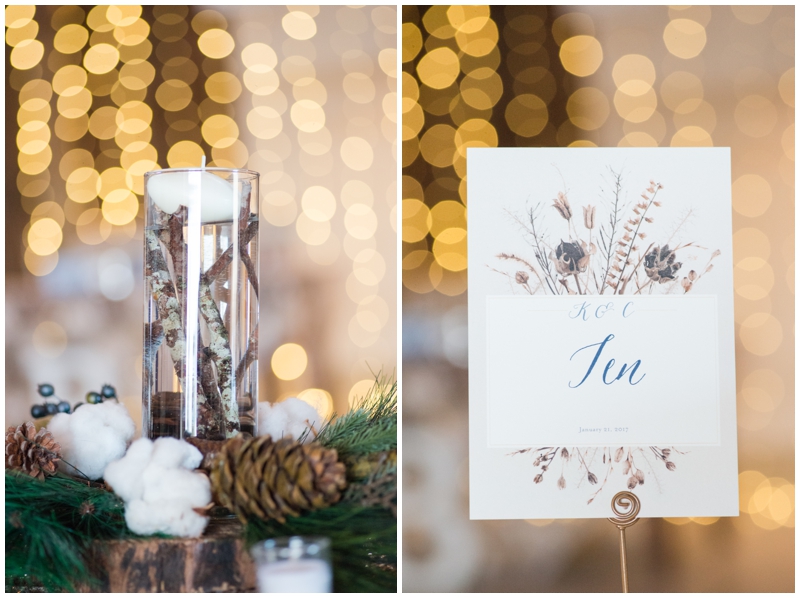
(369, 427)
(50, 525)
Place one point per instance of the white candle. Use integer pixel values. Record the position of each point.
(218, 200)
(295, 575)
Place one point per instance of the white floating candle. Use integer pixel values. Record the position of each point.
(295, 575)
(171, 190)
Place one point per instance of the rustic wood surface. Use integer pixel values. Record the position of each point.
(216, 562)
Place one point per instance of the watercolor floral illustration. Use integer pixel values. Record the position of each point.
(605, 245)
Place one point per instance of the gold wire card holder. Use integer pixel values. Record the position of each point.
(626, 507)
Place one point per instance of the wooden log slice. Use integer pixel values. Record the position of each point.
(216, 562)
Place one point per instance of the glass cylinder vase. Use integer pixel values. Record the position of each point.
(200, 359)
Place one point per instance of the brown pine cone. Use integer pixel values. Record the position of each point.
(272, 480)
(35, 453)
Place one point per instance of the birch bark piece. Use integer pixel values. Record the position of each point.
(163, 292)
(220, 348)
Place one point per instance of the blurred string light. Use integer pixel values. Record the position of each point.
(450, 89)
(94, 95)
(455, 97)
(320, 400)
(251, 98)
(42, 237)
(767, 502)
(314, 205)
(289, 361)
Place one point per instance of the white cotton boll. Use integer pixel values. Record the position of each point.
(171, 452)
(290, 417)
(171, 484)
(174, 518)
(92, 437)
(270, 420)
(189, 524)
(59, 428)
(137, 518)
(301, 416)
(115, 416)
(94, 448)
(125, 475)
(160, 490)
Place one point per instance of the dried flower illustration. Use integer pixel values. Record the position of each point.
(622, 249)
(660, 265)
(588, 216)
(561, 204)
(632, 460)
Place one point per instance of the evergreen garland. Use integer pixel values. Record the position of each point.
(51, 524)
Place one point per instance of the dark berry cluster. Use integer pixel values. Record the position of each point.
(107, 392)
(47, 391)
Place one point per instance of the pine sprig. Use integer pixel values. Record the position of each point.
(363, 543)
(50, 525)
(370, 426)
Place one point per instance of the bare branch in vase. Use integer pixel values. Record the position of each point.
(224, 260)
(250, 355)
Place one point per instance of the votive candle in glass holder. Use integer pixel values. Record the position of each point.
(200, 358)
(295, 564)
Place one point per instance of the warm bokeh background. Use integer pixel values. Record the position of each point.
(96, 96)
(604, 76)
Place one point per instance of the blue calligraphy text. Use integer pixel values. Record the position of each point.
(602, 309)
(581, 312)
(624, 370)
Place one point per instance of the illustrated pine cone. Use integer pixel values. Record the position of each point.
(35, 453)
(570, 257)
(272, 480)
(660, 264)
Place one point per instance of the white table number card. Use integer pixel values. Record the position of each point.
(601, 341)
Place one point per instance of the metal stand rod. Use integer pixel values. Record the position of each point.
(623, 560)
(626, 507)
